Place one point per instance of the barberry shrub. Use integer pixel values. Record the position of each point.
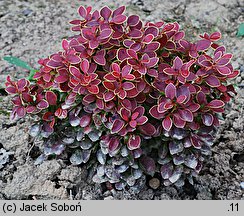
(127, 98)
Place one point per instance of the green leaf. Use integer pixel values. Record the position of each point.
(32, 73)
(240, 32)
(17, 62)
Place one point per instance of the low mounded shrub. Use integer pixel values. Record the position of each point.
(128, 99)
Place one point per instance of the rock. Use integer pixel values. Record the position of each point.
(109, 198)
(154, 183)
(27, 12)
(242, 185)
(238, 79)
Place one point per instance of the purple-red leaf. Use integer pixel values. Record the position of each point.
(75, 72)
(148, 129)
(212, 81)
(113, 144)
(170, 91)
(105, 12)
(43, 104)
(186, 115)
(84, 65)
(99, 58)
(51, 97)
(216, 104)
(85, 120)
(203, 45)
(148, 165)
(133, 20)
(117, 126)
(134, 142)
(207, 119)
(167, 123)
(119, 19)
(11, 90)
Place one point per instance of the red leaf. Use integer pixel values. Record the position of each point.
(234, 74)
(225, 59)
(167, 123)
(170, 71)
(215, 36)
(110, 77)
(106, 33)
(108, 96)
(43, 104)
(152, 62)
(177, 63)
(170, 91)
(84, 65)
(117, 126)
(134, 142)
(20, 111)
(82, 11)
(122, 94)
(203, 45)
(61, 79)
(105, 12)
(133, 123)
(51, 97)
(65, 44)
(223, 70)
(118, 11)
(148, 39)
(207, 119)
(113, 144)
(181, 99)
(186, 115)
(30, 109)
(148, 165)
(201, 98)
(135, 33)
(73, 59)
(85, 121)
(178, 122)
(148, 129)
(89, 98)
(133, 20)
(93, 44)
(140, 110)
(128, 85)
(99, 58)
(154, 112)
(119, 19)
(195, 142)
(212, 81)
(115, 67)
(132, 53)
(75, 72)
(21, 84)
(47, 77)
(125, 114)
(93, 89)
(142, 120)
(216, 104)
(193, 107)
(17, 101)
(11, 90)
(108, 85)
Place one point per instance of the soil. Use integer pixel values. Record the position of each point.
(32, 29)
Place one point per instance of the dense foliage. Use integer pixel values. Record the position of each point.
(128, 99)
